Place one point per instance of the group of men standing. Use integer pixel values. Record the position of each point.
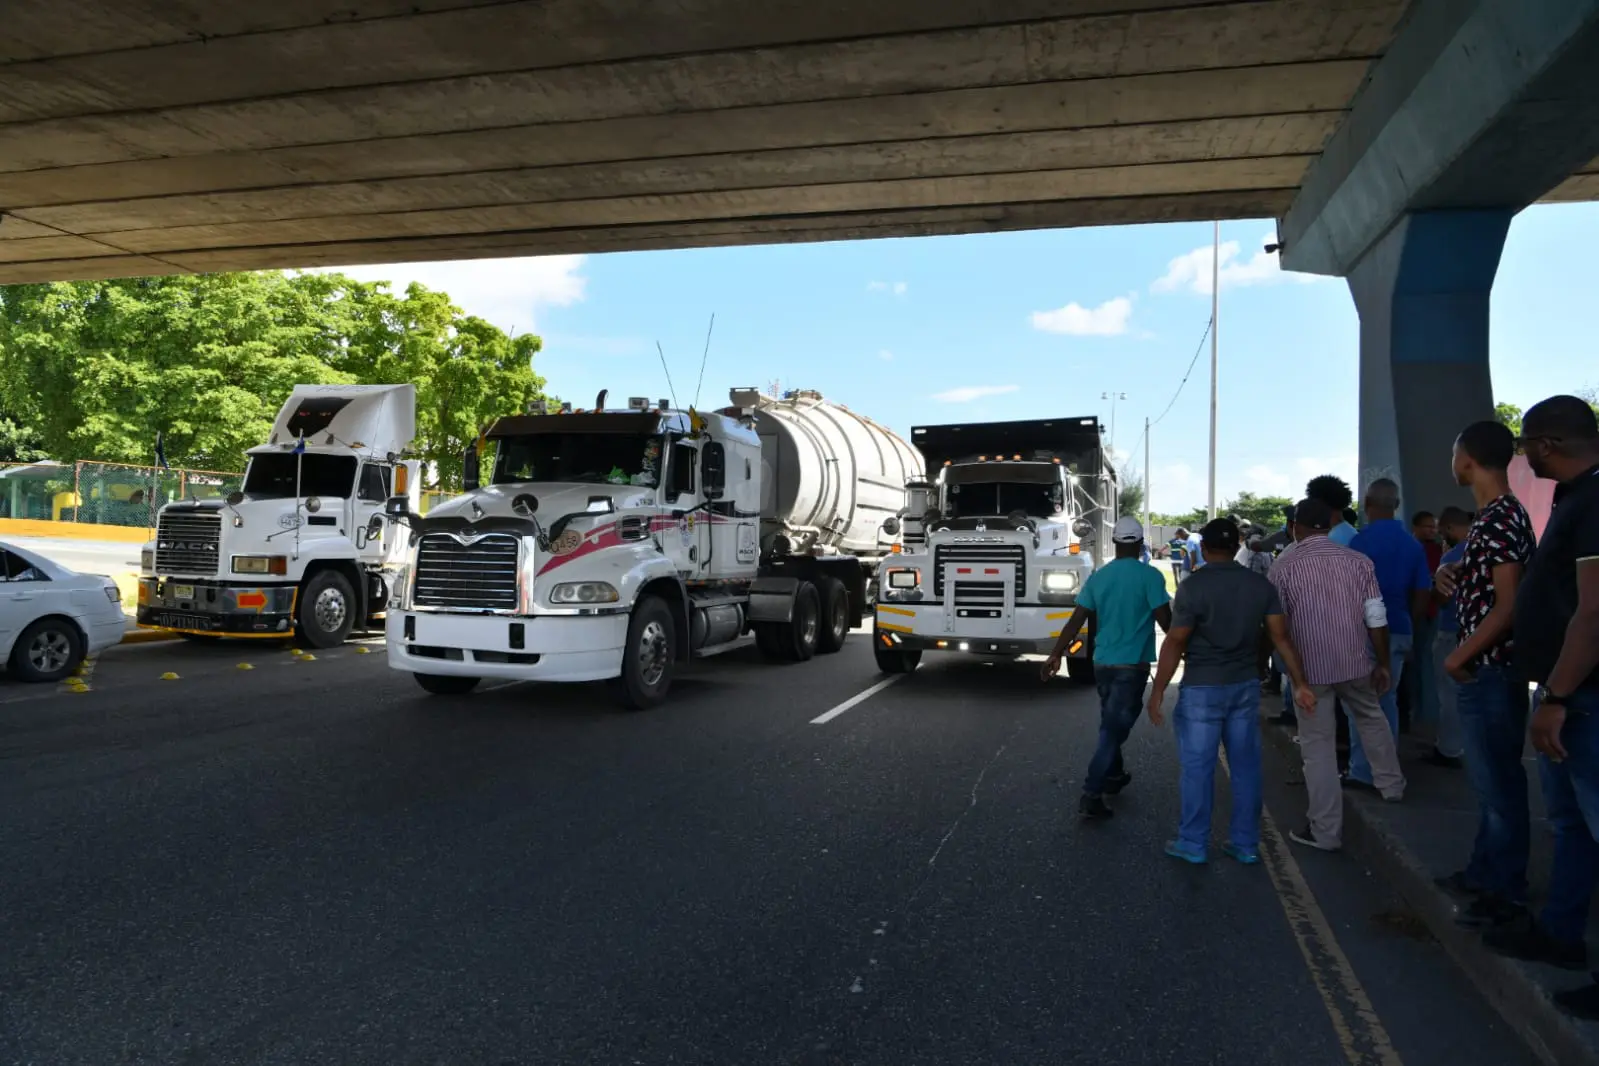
(1342, 608)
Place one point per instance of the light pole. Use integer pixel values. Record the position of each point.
(1215, 328)
(1113, 397)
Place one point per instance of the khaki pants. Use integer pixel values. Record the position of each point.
(1318, 745)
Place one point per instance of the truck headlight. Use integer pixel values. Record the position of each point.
(903, 578)
(146, 561)
(584, 592)
(1057, 586)
(261, 564)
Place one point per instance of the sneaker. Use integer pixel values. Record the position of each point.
(1247, 856)
(1459, 885)
(1526, 940)
(1117, 782)
(1094, 808)
(1178, 850)
(1307, 837)
(1490, 912)
(1448, 762)
(1580, 1002)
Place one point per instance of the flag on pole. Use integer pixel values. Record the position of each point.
(299, 445)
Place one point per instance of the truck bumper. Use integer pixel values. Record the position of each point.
(927, 627)
(555, 648)
(216, 608)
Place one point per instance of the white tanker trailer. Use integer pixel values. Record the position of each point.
(614, 544)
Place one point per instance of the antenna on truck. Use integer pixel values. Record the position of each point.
(703, 356)
(668, 371)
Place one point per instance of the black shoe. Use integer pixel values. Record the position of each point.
(1283, 719)
(1526, 940)
(1580, 1002)
(1094, 808)
(1459, 885)
(1448, 762)
(1116, 782)
(1307, 837)
(1355, 783)
(1490, 912)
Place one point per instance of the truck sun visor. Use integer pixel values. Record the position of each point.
(315, 413)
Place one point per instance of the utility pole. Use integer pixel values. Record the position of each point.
(1149, 530)
(1113, 397)
(1215, 328)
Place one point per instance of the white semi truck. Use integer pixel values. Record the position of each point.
(997, 542)
(614, 544)
(305, 548)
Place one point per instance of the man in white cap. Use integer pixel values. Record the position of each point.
(1125, 599)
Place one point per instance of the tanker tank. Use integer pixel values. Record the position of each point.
(830, 476)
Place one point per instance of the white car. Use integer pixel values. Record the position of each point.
(52, 617)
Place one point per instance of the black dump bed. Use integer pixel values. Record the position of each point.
(1071, 440)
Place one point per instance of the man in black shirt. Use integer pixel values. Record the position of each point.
(1557, 645)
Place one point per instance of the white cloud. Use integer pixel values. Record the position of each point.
(898, 288)
(1107, 320)
(1192, 269)
(506, 292)
(968, 393)
(886, 356)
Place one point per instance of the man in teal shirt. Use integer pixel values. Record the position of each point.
(1126, 599)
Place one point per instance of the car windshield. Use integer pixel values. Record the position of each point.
(591, 458)
(274, 476)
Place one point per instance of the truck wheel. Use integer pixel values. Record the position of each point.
(326, 610)
(648, 655)
(835, 615)
(800, 635)
(769, 639)
(891, 661)
(446, 685)
(48, 650)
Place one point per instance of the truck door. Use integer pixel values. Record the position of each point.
(372, 490)
(687, 541)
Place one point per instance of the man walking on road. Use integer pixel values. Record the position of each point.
(1406, 584)
(1223, 618)
(1126, 599)
(1556, 624)
(1490, 694)
(1336, 619)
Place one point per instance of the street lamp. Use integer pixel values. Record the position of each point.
(1113, 397)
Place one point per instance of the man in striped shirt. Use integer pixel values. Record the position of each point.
(1336, 618)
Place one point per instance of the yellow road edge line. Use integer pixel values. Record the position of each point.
(895, 610)
(896, 629)
(1322, 952)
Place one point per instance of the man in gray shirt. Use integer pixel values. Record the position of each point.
(1223, 621)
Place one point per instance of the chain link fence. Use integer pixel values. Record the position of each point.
(107, 494)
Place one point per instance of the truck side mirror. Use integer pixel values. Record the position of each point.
(396, 507)
(1082, 527)
(469, 469)
(891, 526)
(713, 471)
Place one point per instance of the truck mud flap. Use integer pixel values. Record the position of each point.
(772, 599)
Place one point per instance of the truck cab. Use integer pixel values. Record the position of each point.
(997, 542)
(304, 548)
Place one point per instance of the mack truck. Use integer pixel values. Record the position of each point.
(616, 544)
(304, 549)
(998, 538)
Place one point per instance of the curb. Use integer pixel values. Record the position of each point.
(1523, 1003)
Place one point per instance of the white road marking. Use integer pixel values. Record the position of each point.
(858, 698)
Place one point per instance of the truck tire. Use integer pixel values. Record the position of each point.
(48, 650)
(326, 611)
(446, 684)
(834, 626)
(799, 636)
(769, 639)
(648, 656)
(892, 661)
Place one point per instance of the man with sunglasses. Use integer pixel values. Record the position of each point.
(1557, 645)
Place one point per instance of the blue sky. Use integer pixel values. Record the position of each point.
(1026, 325)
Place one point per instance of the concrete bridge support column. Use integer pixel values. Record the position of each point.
(1422, 292)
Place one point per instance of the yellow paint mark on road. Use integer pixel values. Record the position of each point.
(308, 658)
(246, 666)
(169, 676)
(1361, 1034)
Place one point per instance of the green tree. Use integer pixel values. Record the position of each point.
(1264, 511)
(1510, 415)
(1132, 497)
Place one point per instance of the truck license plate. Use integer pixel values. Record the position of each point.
(181, 592)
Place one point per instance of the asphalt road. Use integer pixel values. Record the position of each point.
(313, 862)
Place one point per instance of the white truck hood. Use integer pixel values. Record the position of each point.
(555, 499)
(372, 419)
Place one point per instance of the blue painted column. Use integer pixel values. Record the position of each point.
(1422, 292)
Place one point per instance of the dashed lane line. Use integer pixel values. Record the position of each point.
(855, 700)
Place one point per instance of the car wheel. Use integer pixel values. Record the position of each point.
(447, 684)
(327, 609)
(48, 650)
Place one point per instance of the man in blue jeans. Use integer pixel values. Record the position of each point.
(1489, 692)
(1126, 598)
(1223, 623)
(1406, 583)
(1557, 645)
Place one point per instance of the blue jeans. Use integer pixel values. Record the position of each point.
(1571, 792)
(1121, 700)
(1398, 648)
(1423, 673)
(1208, 716)
(1493, 716)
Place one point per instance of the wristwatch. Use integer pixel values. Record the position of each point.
(1545, 696)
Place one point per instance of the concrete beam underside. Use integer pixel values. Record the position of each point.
(461, 128)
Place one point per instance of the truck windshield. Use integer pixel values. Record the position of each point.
(592, 458)
(1001, 498)
(273, 477)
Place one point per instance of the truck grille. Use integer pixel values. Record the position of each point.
(976, 555)
(476, 576)
(979, 599)
(187, 543)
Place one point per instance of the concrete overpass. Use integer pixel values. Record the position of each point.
(161, 136)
